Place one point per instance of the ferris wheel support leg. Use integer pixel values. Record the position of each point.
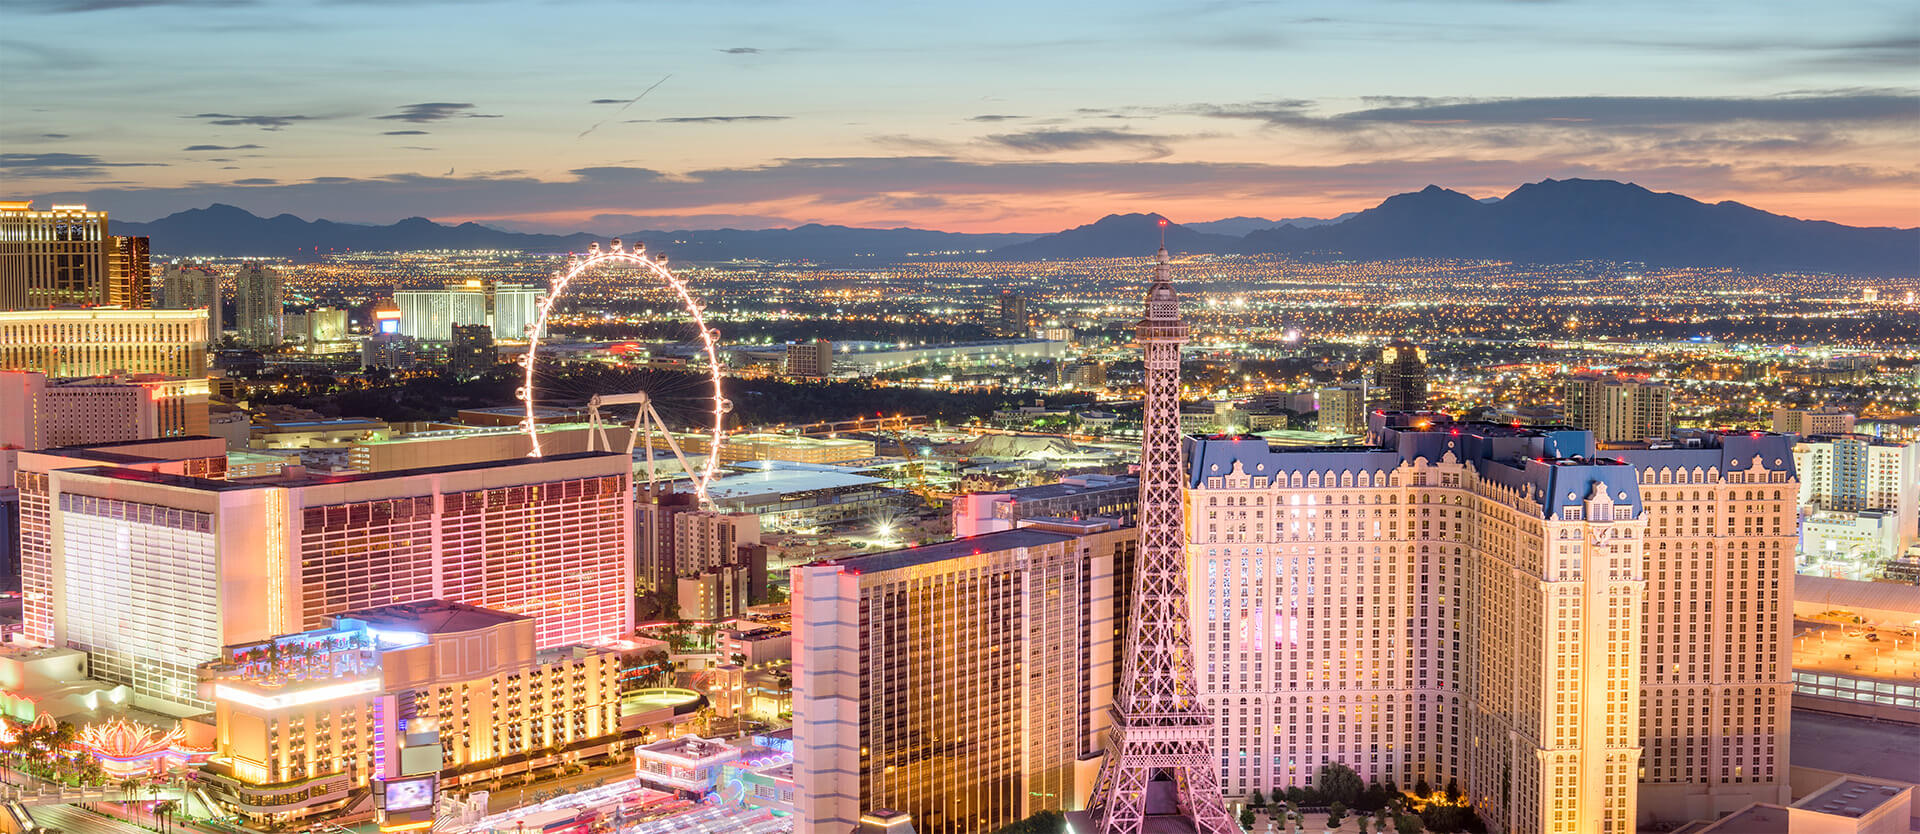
(639, 425)
(596, 431)
(698, 486)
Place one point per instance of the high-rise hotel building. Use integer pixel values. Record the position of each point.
(1618, 410)
(1402, 376)
(1583, 642)
(145, 557)
(966, 683)
(102, 341)
(64, 256)
(259, 295)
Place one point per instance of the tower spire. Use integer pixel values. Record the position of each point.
(1160, 759)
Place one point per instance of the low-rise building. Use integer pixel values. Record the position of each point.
(316, 434)
(689, 766)
(757, 646)
(1848, 544)
(1849, 805)
(794, 448)
(44, 413)
(306, 720)
(1811, 421)
(1075, 496)
(872, 358)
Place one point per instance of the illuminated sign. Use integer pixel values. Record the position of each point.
(390, 639)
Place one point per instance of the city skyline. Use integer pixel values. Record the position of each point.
(785, 422)
(1000, 120)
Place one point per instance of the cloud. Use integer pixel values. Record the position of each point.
(257, 181)
(689, 120)
(220, 147)
(1057, 140)
(948, 190)
(72, 6)
(1872, 105)
(55, 136)
(262, 122)
(50, 58)
(741, 50)
(404, 133)
(993, 117)
(619, 222)
(64, 165)
(609, 101)
(434, 111)
(1896, 52)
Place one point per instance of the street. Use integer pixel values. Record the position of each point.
(506, 799)
(75, 820)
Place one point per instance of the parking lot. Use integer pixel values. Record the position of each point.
(1855, 650)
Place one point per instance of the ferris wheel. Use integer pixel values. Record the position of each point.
(696, 410)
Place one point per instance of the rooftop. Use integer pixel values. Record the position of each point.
(956, 549)
(309, 425)
(1868, 439)
(1753, 819)
(783, 480)
(691, 749)
(432, 616)
(317, 479)
(1063, 489)
(1851, 594)
(99, 449)
(792, 440)
(1850, 798)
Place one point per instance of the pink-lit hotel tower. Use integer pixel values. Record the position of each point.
(1160, 763)
(146, 557)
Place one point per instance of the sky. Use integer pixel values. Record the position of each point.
(573, 115)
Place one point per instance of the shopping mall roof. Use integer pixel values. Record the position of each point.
(784, 481)
(1886, 603)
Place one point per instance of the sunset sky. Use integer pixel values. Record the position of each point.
(980, 116)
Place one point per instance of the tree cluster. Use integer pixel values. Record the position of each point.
(1044, 822)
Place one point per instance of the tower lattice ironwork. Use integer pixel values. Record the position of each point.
(1161, 731)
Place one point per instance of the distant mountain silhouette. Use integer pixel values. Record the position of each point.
(1552, 221)
(1557, 221)
(1240, 226)
(221, 229)
(1116, 235)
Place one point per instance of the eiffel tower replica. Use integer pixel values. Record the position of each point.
(1161, 774)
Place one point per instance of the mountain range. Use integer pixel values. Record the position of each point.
(1557, 221)
(222, 229)
(1552, 221)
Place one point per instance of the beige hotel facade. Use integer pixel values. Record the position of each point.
(1587, 642)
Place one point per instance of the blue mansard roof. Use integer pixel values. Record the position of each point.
(1556, 465)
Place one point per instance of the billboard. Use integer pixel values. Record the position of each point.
(409, 794)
